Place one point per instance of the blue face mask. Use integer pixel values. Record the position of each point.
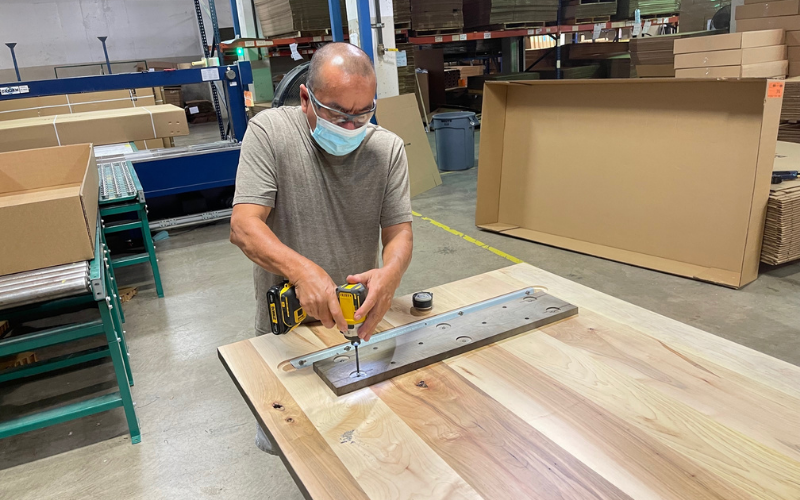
(336, 140)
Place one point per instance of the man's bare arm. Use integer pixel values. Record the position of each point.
(315, 289)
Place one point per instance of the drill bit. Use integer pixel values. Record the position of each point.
(358, 367)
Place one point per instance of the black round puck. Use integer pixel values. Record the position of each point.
(422, 301)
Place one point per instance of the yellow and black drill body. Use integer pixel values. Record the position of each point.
(351, 297)
(285, 311)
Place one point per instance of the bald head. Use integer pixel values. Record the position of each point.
(336, 61)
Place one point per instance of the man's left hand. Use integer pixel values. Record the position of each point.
(381, 285)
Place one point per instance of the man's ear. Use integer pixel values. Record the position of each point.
(304, 98)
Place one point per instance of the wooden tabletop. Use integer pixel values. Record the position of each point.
(618, 402)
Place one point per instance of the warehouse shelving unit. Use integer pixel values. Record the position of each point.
(554, 31)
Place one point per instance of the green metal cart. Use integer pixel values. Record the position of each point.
(121, 193)
(53, 291)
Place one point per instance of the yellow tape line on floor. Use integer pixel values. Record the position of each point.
(469, 238)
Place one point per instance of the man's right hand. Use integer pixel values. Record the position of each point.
(317, 294)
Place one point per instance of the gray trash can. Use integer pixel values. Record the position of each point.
(455, 140)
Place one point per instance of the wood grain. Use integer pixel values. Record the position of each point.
(493, 449)
(301, 444)
(619, 402)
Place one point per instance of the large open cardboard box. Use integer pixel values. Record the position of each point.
(48, 207)
(666, 174)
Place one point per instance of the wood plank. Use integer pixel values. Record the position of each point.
(441, 340)
(385, 458)
(494, 450)
(743, 462)
(701, 384)
(303, 449)
(686, 339)
(636, 463)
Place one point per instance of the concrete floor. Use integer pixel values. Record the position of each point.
(197, 432)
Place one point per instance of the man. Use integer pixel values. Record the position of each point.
(318, 189)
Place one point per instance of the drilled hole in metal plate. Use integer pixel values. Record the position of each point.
(505, 307)
(420, 343)
(552, 309)
(527, 318)
(530, 299)
(360, 374)
(464, 339)
(443, 326)
(374, 348)
(392, 363)
(483, 322)
(341, 359)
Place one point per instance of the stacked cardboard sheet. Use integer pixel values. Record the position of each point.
(406, 77)
(282, 17)
(785, 15)
(790, 112)
(439, 15)
(782, 227)
(402, 13)
(754, 54)
(653, 56)
(486, 13)
(627, 8)
(586, 10)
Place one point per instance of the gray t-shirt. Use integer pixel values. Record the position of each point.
(329, 209)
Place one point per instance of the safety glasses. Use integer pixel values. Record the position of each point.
(340, 117)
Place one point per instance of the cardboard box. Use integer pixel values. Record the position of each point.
(48, 207)
(712, 72)
(793, 53)
(761, 70)
(697, 212)
(75, 103)
(400, 115)
(467, 71)
(730, 57)
(98, 127)
(655, 70)
(765, 70)
(729, 41)
(787, 23)
(768, 9)
(792, 38)
(794, 69)
(174, 96)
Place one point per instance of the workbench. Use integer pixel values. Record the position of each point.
(617, 402)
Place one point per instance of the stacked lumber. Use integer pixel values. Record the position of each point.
(406, 77)
(785, 15)
(445, 15)
(626, 9)
(288, 17)
(652, 56)
(782, 227)
(582, 11)
(402, 14)
(509, 13)
(754, 54)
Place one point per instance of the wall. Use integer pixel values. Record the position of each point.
(53, 33)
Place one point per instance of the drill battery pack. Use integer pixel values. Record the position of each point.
(285, 311)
